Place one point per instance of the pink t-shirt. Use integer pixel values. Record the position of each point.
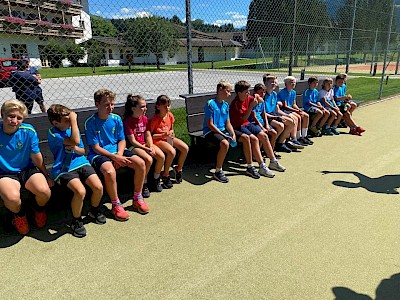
(137, 127)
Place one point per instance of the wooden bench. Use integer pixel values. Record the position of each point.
(41, 123)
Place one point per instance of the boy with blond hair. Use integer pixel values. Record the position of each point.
(21, 165)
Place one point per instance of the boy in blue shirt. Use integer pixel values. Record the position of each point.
(71, 167)
(21, 165)
(277, 118)
(287, 96)
(107, 152)
(312, 105)
(218, 130)
(342, 100)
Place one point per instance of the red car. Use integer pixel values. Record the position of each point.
(7, 65)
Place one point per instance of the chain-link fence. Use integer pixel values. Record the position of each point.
(141, 47)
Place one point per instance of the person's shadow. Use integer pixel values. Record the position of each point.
(386, 184)
(388, 289)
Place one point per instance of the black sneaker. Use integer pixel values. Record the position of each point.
(293, 145)
(252, 172)
(277, 156)
(220, 176)
(178, 176)
(167, 182)
(145, 191)
(283, 148)
(310, 142)
(78, 230)
(303, 141)
(97, 216)
(157, 185)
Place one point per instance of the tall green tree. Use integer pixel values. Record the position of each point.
(152, 35)
(74, 53)
(55, 53)
(95, 53)
(272, 22)
(102, 27)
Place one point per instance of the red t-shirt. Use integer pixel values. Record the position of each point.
(159, 125)
(237, 110)
(137, 127)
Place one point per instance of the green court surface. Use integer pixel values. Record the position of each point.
(327, 228)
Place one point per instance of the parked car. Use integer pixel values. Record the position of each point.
(7, 65)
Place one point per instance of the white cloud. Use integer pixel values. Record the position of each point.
(127, 13)
(222, 22)
(166, 8)
(236, 15)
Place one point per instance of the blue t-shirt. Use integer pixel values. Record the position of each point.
(216, 111)
(258, 111)
(56, 143)
(310, 96)
(288, 97)
(270, 102)
(106, 133)
(16, 149)
(339, 92)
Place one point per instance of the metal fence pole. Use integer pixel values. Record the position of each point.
(351, 37)
(189, 46)
(374, 51)
(290, 71)
(386, 51)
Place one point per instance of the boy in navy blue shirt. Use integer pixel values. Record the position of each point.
(71, 167)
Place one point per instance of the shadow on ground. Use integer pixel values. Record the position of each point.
(388, 289)
(386, 184)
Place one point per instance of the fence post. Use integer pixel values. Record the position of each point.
(189, 46)
(386, 52)
(290, 71)
(351, 37)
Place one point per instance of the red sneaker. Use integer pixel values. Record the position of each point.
(354, 132)
(119, 213)
(21, 224)
(360, 129)
(40, 218)
(140, 206)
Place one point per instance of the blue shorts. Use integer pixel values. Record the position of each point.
(250, 129)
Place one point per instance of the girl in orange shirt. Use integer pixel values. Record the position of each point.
(162, 130)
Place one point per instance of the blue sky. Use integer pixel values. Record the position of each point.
(216, 12)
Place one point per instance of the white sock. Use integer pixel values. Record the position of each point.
(298, 134)
(304, 132)
(218, 169)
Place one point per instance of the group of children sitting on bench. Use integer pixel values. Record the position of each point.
(271, 120)
(274, 121)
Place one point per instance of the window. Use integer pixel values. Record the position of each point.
(82, 24)
(121, 53)
(18, 50)
(110, 54)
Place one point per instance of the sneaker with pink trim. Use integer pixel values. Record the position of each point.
(140, 206)
(119, 213)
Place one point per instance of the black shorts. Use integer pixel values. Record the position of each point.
(250, 129)
(216, 138)
(99, 160)
(83, 173)
(23, 176)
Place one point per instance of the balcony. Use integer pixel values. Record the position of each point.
(68, 6)
(39, 28)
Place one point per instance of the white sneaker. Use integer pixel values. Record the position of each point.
(264, 171)
(275, 165)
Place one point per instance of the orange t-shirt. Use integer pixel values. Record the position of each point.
(158, 125)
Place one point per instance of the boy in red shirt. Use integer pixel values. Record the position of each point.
(240, 110)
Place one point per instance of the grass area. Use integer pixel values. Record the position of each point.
(87, 71)
(367, 88)
(180, 127)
